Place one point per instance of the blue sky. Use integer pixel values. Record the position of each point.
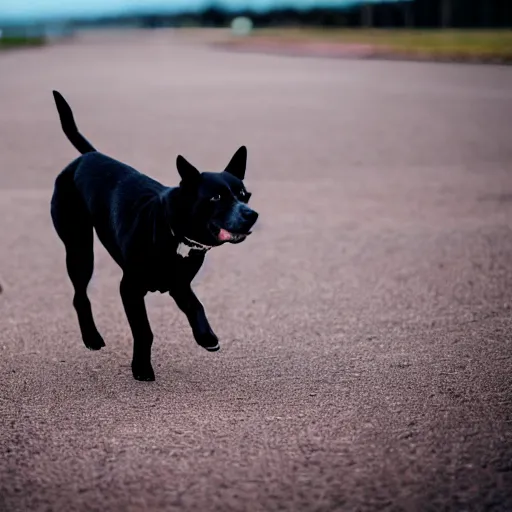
(25, 9)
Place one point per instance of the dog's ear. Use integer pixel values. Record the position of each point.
(186, 170)
(238, 163)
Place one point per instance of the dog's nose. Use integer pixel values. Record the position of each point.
(249, 215)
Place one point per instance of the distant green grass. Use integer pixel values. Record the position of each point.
(443, 43)
(8, 42)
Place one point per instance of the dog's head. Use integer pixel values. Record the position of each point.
(214, 205)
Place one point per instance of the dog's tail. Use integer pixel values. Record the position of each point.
(69, 127)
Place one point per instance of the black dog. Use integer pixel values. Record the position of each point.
(158, 235)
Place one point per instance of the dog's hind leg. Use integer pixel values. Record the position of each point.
(74, 227)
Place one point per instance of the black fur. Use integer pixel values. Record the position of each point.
(147, 228)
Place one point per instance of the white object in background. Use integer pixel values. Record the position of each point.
(241, 26)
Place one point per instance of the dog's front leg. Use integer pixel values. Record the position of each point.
(135, 309)
(190, 305)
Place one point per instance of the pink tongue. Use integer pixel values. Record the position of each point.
(224, 235)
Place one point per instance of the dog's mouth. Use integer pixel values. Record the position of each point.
(223, 235)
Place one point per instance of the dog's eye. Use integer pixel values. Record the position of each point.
(244, 196)
(215, 198)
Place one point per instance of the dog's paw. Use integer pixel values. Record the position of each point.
(143, 373)
(94, 341)
(208, 341)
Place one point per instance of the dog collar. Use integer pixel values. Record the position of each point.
(187, 245)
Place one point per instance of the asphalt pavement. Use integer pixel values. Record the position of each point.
(365, 326)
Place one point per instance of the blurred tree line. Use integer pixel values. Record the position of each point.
(408, 13)
(404, 14)
(436, 14)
